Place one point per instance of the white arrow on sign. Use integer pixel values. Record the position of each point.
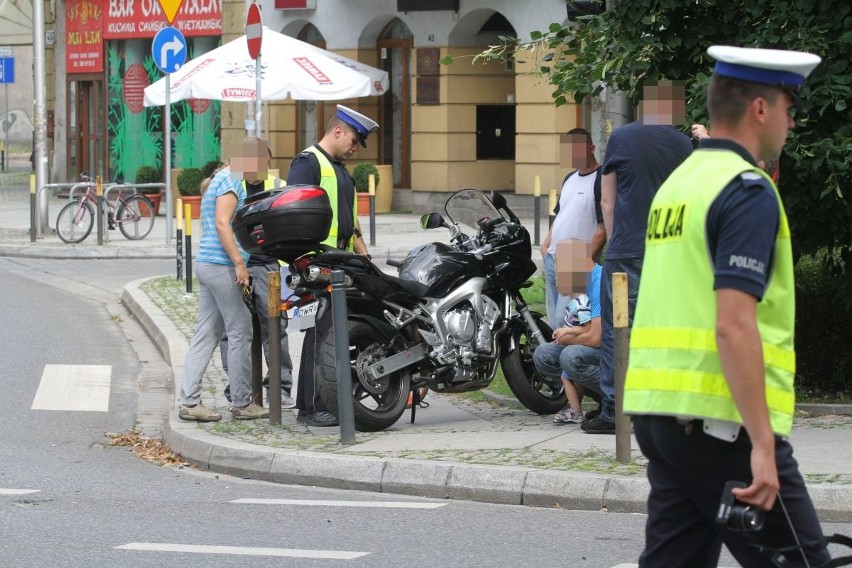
(174, 46)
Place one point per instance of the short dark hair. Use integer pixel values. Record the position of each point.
(727, 98)
(583, 132)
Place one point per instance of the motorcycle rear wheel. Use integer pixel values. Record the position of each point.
(377, 406)
(529, 386)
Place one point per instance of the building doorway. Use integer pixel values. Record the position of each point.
(87, 143)
(395, 44)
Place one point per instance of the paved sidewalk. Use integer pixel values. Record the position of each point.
(463, 447)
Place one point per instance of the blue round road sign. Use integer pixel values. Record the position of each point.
(169, 49)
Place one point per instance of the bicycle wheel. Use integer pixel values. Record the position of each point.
(135, 217)
(75, 222)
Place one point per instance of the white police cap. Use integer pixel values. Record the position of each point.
(776, 67)
(360, 123)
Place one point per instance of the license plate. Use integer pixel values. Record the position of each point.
(303, 317)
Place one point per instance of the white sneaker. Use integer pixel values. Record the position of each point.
(287, 401)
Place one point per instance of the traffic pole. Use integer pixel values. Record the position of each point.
(274, 327)
(187, 214)
(621, 332)
(340, 328)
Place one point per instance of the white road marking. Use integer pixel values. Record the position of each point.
(74, 387)
(321, 503)
(242, 550)
(17, 491)
(629, 566)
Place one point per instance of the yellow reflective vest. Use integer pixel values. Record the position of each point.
(328, 181)
(674, 366)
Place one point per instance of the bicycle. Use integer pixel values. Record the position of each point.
(134, 216)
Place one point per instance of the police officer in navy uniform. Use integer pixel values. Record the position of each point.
(711, 369)
(322, 164)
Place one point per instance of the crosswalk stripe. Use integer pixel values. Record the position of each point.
(17, 491)
(321, 503)
(242, 550)
(74, 387)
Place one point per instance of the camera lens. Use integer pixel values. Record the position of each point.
(746, 518)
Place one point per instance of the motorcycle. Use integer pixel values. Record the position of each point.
(454, 312)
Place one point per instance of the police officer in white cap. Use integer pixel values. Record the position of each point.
(711, 368)
(323, 164)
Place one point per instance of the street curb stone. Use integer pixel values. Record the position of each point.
(490, 484)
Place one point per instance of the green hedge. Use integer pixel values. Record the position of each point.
(823, 332)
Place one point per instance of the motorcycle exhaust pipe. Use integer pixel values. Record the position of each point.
(320, 276)
(292, 281)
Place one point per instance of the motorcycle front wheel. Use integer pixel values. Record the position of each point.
(378, 404)
(529, 386)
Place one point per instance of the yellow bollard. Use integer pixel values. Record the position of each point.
(621, 333)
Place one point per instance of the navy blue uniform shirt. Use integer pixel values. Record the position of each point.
(305, 169)
(742, 224)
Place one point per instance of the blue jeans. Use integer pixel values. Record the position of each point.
(633, 268)
(221, 311)
(555, 303)
(580, 363)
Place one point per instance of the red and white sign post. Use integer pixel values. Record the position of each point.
(254, 38)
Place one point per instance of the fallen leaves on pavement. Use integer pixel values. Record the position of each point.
(146, 448)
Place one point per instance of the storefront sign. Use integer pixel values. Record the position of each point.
(84, 42)
(127, 19)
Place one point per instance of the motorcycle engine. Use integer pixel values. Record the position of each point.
(461, 325)
(468, 332)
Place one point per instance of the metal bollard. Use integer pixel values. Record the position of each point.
(274, 326)
(372, 187)
(179, 240)
(187, 210)
(621, 333)
(537, 210)
(345, 408)
(32, 209)
(99, 192)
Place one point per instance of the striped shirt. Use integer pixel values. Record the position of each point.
(210, 250)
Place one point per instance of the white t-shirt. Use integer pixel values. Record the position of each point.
(576, 218)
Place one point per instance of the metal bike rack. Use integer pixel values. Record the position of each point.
(42, 214)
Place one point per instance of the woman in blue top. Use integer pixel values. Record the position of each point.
(221, 272)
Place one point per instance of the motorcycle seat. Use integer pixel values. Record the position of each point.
(413, 287)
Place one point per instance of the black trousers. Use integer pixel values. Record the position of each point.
(307, 394)
(688, 470)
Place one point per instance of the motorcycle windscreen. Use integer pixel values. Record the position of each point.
(468, 208)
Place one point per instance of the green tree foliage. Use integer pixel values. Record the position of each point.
(642, 40)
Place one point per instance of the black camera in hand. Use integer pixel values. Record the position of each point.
(736, 515)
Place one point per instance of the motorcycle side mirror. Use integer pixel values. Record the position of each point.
(498, 200)
(432, 221)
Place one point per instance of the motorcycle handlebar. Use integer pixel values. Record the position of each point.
(394, 263)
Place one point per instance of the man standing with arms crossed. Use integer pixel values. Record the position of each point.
(710, 378)
(322, 164)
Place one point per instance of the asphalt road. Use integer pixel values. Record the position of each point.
(67, 498)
